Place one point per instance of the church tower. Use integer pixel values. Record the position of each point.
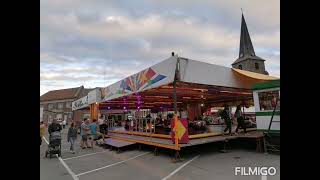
(247, 59)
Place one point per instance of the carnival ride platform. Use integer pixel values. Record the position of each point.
(165, 141)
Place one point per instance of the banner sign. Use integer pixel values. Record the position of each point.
(182, 130)
(80, 103)
(94, 96)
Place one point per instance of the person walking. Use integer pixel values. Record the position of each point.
(104, 129)
(100, 120)
(42, 131)
(240, 120)
(72, 136)
(64, 122)
(84, 134)
(93, 132)
(227, 119)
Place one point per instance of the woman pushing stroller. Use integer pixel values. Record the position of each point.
(54, 146)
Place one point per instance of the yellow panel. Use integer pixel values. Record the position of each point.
(255, 75)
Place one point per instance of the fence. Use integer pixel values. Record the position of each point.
(145, 125)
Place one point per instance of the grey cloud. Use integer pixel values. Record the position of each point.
(99, 46)
(77, 35)
(67, 78)
(53, 59)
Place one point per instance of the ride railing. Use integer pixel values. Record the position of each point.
(111, 124)
(146, 125)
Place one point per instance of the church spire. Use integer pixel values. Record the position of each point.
(246, 47)
(247, 59)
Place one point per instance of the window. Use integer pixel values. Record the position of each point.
(68, 104)
(50, 106)
(256, 65)
(59, 117)
(268, 99)
(240, 66)
(86, 116)
(60, 105)
(50, 118)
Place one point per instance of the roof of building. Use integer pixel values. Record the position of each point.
(255, 75)
(61, 94)
(191, 71)
(155, 85)
(246, 50)
(246, 57)
(85, 92)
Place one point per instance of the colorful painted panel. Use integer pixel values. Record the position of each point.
(105, 93)
(155, 76)
(181, 128)
(140, 81)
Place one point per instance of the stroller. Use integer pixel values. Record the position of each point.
(54, 146)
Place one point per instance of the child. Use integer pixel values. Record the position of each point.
(72, 136)
(93, 131)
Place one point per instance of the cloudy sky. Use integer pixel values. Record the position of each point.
(98, 42)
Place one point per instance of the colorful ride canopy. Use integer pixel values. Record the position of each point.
(154, 80)
(152, 77)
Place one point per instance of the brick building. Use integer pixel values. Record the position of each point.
(58, 103)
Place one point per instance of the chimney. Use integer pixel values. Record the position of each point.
(172, 53)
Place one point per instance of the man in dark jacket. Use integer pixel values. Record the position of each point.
(54, 126)
(103, 129)
(227, 119)
(240, 120)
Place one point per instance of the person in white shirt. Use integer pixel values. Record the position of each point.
(64, 122)
(100, 120)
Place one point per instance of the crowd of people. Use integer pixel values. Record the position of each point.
(94, 132)
(90, 132)
(227, 117)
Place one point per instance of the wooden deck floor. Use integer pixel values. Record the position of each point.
(117, 143)
(167, 143)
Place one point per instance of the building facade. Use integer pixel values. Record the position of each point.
(58, 103)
